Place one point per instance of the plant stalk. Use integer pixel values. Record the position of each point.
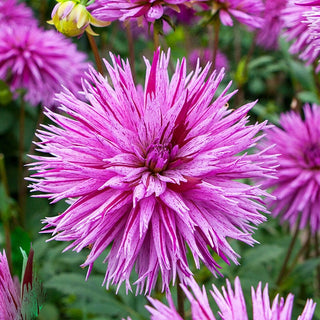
(96, 54)
(284, 267)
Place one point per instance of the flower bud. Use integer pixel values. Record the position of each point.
(72, 18)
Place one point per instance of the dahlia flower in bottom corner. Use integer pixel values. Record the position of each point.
(152, 172)
(231, 304)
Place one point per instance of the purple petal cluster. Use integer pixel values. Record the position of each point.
(295, 18)
(205, 55)
(151, 10)
(152, 172)
(231, 304)
(13, 12)
(10, 302)
(247, 12)
(269, 33)
(297, 189)
(39, 62)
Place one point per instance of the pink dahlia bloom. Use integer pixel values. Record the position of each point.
(269, 33)
(297, 31)
(39, 62)
(151, 171)
(151, 10)
(297, 190)
(205, 55)
(247, 12)
(13, 12)
(10, 302)
(231, 304)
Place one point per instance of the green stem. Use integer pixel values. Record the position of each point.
(96, 54)
(283, 271)
(131, 49)
(156, 38)
(21, 182)
(5, 219)
(181, 297)
(317, 250)
(216, 32)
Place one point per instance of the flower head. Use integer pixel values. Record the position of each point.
(297, 30)
(247, 12)
(151, 10)
(72, 18)
(10, 302)
(39, 62)
(297, 190)
(151, 171)
(231, 304)
(269, 33)
(12, 12)
(19, 303)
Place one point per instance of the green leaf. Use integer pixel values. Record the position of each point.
(5, 93)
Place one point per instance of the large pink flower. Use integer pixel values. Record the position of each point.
(39, 62)
(110, 10)
(152, 171)
(12, 12)
(231, 304)
(297, 190)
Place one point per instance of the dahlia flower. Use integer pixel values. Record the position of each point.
(13, 12)
(231, 304)
(72, 18)
(205, 55)
(269, 33)
(247, 12)
(151, 172)
(297, 189)
(10, 303)
(39, 62)
(19, 303)
(151, 10)
(297, 30)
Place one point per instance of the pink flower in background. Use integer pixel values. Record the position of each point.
(297, 189)
(297, 31)
(269, 33)
(247, 12)
(151, 10)
(205, 56)
(39, 62)
(13, 12)
(231, 304)
(152, 171)
(10, 302)
(19, 302)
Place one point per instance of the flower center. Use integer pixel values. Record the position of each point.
(158, 156)
(312, 156)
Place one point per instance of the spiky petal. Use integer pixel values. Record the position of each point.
(39, 62)
(152, 171)
(14, 13)
(231, 304)
(297, 189)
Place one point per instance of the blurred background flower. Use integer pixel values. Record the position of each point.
(38, 63)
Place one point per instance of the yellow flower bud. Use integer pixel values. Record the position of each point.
(72, 18)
